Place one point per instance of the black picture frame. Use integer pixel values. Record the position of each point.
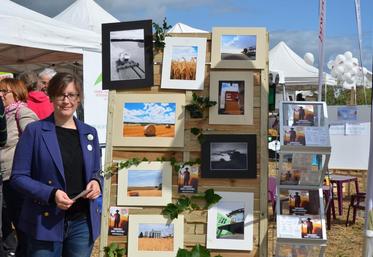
(228, 156)
(127, 55)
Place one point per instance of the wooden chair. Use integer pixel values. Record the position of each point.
(357, 203)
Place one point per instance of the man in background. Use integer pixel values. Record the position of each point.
(44, 77)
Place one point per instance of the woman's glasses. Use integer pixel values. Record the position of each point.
(5, 92)
(71, 96)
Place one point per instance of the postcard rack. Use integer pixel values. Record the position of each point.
(303, 163)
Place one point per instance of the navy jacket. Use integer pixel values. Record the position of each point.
(38, 169)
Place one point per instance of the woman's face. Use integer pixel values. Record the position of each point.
(65, 104)
(7, 97)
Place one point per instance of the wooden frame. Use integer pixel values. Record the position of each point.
(234, 93)
(149, 183)
(151, 120)
(190, 52)
(230, 57)
(141, 223)
(228, 156)
(127, 55)
(237, 234)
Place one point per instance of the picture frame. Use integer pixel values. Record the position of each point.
(304, 123)
(230, 222)
(147, 184)
(234, 93)
(127, 55)
(155, 236)
(184, 63)
(238, 48)
(149, 120)
(228, 156)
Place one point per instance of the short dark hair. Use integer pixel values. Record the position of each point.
(60, 81)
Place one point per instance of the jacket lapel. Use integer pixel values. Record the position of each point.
(86, 145)
(50, 139)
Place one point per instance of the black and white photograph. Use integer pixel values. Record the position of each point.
(127, 55)
(127, 58)
(228, 156)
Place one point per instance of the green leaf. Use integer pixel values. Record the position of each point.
(183, 203)
(183, 253)
(171, 211)
(200, 251)
(211, 198)
(195, 131)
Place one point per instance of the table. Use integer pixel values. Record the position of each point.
(338, 180)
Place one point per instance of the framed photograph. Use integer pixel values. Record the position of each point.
(184, 63)
(187, 179)
(234, 93)
(301, 227)
(127, 55)
(347, 113)
(118, 221)
(149, 183)
(155, 236)
(228, 156)
(239, 48)
(230, 222)
(150, 120)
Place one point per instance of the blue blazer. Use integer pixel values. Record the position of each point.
(38, 169)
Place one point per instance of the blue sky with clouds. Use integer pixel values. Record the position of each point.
(158, 113)
(144, 178)
(293, 21)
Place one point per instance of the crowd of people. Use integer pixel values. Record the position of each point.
(47, 158)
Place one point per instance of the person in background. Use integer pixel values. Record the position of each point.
(13, 94)
(44, 77)
(300, 97)
(3, 139)
(37, 101)
(55, 160)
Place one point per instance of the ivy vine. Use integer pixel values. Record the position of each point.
(197, 132)
(197, 250)
(172, 210)
(160, 34)
(113, 250)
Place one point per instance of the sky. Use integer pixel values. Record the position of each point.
(159, 113)
(141, 178)
(293, 21)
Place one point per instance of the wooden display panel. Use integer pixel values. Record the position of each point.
(195, 223)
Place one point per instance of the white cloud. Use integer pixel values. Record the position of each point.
(302, 42)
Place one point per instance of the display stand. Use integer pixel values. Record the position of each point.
(304, 156)
(187, 148)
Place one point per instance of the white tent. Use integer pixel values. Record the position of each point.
(183, 28)
(28, 38)
(86, 14)
(295, 70)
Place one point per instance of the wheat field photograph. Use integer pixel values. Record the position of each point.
(156, 237)
(184, 62)
(149, 119)
(144, 183)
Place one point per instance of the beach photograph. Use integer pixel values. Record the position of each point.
(149, 119)
(144, 183)
(184, 62)
(156, 237)
(238, 47)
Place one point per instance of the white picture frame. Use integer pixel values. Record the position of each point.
(139, 185)
(138, 223)
(242, 238)
(184, 51)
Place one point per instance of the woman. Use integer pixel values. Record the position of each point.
(13, 94)
(38, 101)
(57, 158)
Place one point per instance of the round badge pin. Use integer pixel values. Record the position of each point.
(89, 147)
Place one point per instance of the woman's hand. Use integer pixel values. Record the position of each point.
(95, 190)
(62, 200)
